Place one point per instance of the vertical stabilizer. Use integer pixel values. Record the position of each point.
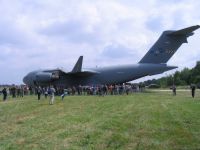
(78, 65)
(167, 45)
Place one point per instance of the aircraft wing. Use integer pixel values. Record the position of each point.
(78, 71)
(81, 73)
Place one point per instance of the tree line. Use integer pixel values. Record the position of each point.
(179, 78)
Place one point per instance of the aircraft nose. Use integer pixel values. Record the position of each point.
(25, 79)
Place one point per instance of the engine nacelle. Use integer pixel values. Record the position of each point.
(43, 77)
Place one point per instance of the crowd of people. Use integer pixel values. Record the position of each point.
(100, 90)
(15, 91)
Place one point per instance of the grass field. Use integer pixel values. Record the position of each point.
(152, 120)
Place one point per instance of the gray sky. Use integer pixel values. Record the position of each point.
(37, 34)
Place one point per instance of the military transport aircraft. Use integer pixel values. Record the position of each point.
(154, 62)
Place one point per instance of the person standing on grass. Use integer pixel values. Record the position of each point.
(39, 91)
(51, 93)
(4, 91)
(193, 88)
(45, 93)
(13, 91)
(21, 91)
(174, 90)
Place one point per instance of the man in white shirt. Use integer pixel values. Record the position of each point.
(51, 93)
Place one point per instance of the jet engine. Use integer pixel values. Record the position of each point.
(43, 77)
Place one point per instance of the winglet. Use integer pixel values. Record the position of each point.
(78, 65)
(186, 31)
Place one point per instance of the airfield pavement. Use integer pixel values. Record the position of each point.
(151, 120)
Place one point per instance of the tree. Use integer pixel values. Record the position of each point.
(196, 73)
(185, 76)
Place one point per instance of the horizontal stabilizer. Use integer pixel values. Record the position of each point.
(186, 31)
(78, 65)
(161, 71)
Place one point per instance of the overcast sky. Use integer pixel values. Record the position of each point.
(37, 34)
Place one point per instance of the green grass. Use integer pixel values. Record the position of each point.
(152, 120)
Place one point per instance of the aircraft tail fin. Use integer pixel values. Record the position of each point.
(167, 45)
(78, 65)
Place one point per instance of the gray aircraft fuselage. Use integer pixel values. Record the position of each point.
(104, 75)
(154, 62)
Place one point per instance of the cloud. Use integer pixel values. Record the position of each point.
(12, 34)
(116, 52)
(72, 31)
(44, 34)
(154, 24)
